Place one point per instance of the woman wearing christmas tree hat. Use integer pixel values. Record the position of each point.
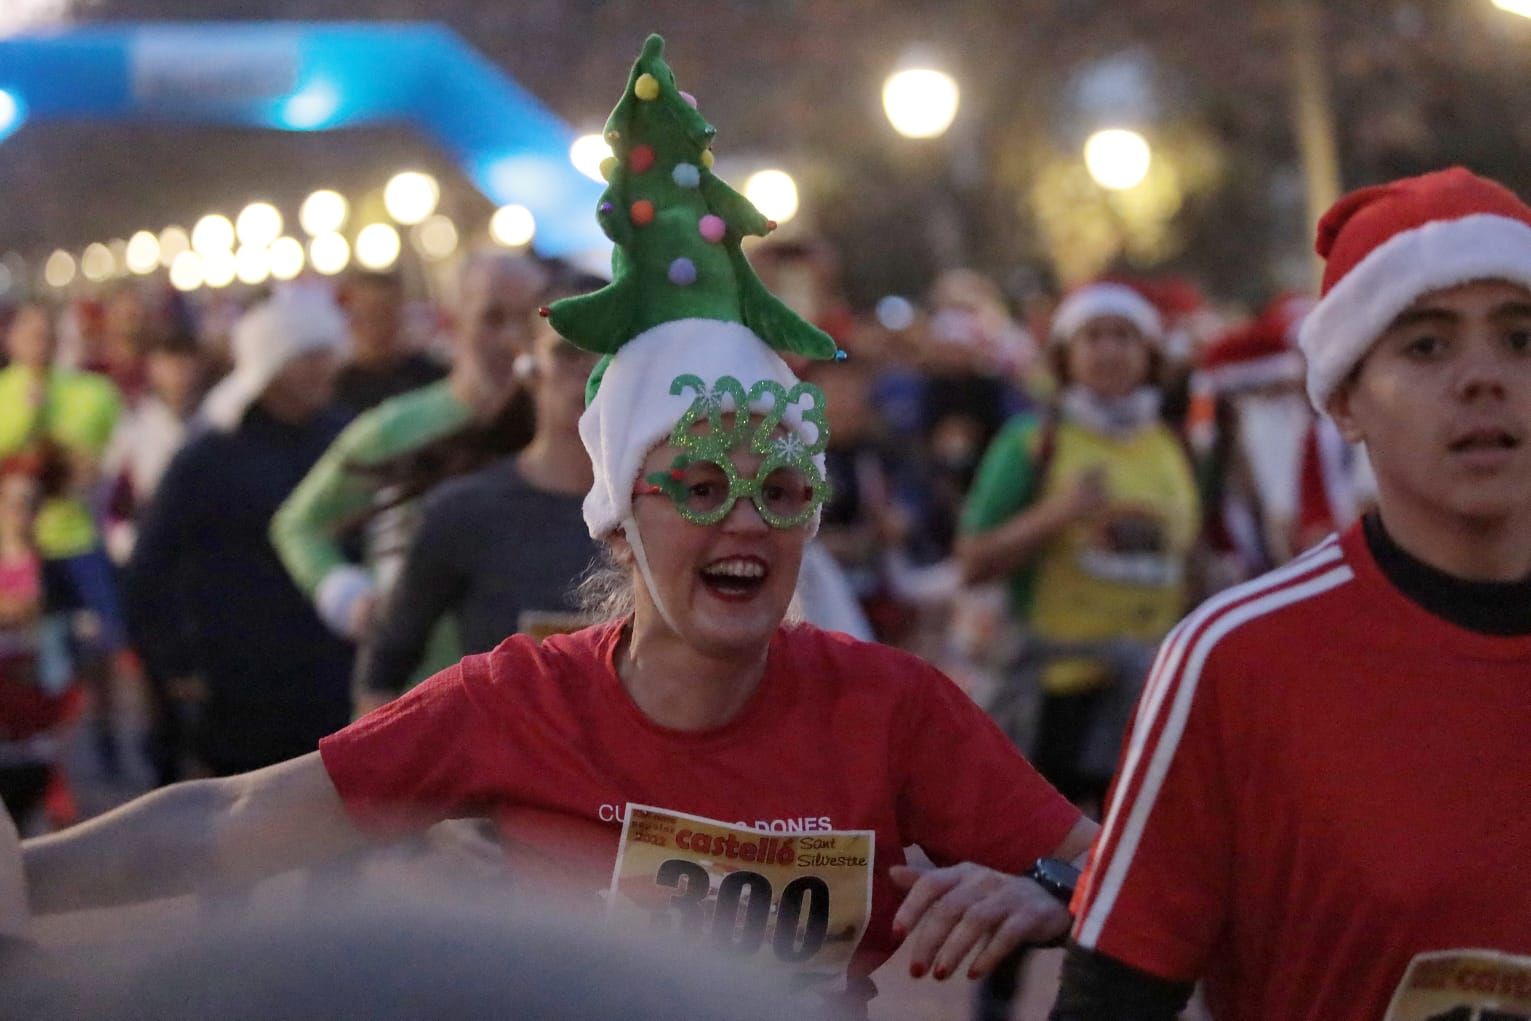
(716, 772)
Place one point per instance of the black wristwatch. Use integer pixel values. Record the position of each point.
(1056, 876)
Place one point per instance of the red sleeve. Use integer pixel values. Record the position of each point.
(1155, 893)
(966, 793)
(420, 758)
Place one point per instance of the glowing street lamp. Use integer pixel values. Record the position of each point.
(96, 263)
(774, 193)
(286, 258)
(213, 234)
(329, 253)
(258, 225)
(323, 212)
(173, 241)
(143, 253)
(186, 271)
(219, 269)
(411, 196)
(252, 264)
(512, 226)
(1118, 159)
(588, 153)
(1520, 7)
(920, 102)
(377, 246)
(436, 237)
(59, 270)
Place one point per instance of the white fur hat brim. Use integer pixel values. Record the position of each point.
(634, 411)
(291, 323)
(1097, 301)
(1432, 257)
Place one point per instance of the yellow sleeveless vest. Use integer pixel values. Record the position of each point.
(1120, 574)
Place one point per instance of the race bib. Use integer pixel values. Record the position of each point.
(798, 902)
(1464, 985)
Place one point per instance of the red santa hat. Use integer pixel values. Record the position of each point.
(1249, 358)
(1261, 353)
(1387, 245)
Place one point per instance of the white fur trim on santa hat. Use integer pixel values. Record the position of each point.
(1095, 301)
(1433, 257)
(634, 410)
(1236, 377)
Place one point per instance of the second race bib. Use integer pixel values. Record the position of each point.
(1464, 985)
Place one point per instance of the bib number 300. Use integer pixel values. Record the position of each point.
(796, 903)
(741, 912)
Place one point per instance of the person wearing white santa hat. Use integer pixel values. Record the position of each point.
(204, 583)
(1318, 811)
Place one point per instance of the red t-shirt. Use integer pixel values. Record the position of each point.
(840, 734)
(1323, 781)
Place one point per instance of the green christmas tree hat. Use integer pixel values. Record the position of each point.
(677, 229)
(692, 338)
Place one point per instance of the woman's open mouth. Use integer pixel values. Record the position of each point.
(735, 579)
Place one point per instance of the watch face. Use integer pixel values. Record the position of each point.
(1058, 872)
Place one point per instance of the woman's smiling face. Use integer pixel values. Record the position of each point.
(726, 586)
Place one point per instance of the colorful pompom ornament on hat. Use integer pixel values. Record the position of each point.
(640, 159)
(646, 88)
(707, 159)
(682, 272)
(613, 137)
(712, 228)
(685, 175)
(609, 166)
(688, 97)
(641, 212)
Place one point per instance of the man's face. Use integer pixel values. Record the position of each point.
(175, 377)
(498, 315)
(374, 309)
(561, 373)
(306, 385)
(125, 313)
(1443, 403)
(30, 341)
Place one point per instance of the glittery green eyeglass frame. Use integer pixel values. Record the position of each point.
(713, 445)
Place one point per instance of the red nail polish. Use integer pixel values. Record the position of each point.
(939, 974)
(899, 932)
(916, 970)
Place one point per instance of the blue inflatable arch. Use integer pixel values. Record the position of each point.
(314, 77)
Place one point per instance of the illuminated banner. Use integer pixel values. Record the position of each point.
(302, 76)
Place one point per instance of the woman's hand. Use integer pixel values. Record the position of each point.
(961, 909)
(15, 917)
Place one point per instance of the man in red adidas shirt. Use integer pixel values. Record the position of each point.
(1320, 811)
